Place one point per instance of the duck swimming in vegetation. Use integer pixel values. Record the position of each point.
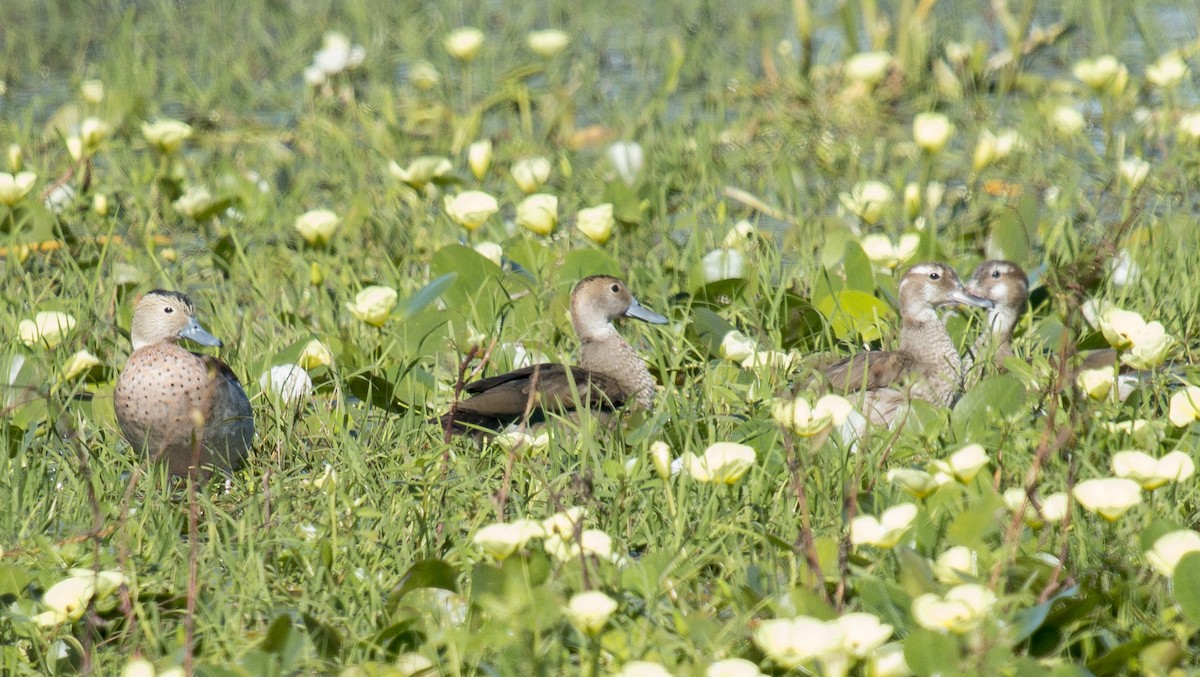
(185, 409)
(610, 373)
(926, 366)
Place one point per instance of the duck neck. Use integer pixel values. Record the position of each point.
(997, 338)
(613, 357)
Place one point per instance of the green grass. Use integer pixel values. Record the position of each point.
(344, 577)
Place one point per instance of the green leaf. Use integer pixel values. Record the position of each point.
(581, 263)
(801, 324)
(722, 292)
(860, 274)
(426, 295)
(13, 580)
(710, 328)
(928, 653)
(1185, 583)
(278, 634)
(324, 637)
(427, 573)
(855, 315)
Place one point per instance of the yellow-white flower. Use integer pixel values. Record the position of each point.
(732, 667)
(470, 209)
(464, 43)
(956, 565)
(868, 67)
(13, 154)
(771, 359)
(737, 347)
(289, 383)
(868, 200)
(596, 222)
(15, 187)
(421, 171)
(504, 538)
(491, 251)
(47, 328)
(1054, 507)
(1100, 73)
(1166, 552)
(412, 664)
(423, 75)
(1152, 473)
(722, 264)
(79, 363)
(1119, 326)
(589, 611)
(538, 213)
(479, 158)
(337, 54)
(1167, 72)
(1109, 497)
(317, 226)
(165, 134)
(315, 354)
(964, 464)
(1189, 127)
(530, 173)
(862, 633)
(547, 43)
(742, 233)
(932, 131)
(917, 483)
(1067, 121)
(886, 530)
(808, 420)
(722, 463)
(565, 523)
(1096, 383)
(879, 248)
(1133, 171)
(795, 642)
(961, 610)
(985, 151)
(139, 667)
(888, 661)
(93, 131)
(1185, 406)
(92, 91)
(643, 669)
(194, 202)
(373, 305)
(628, 158)
(519, 440)
(660, 456)
(69, 597)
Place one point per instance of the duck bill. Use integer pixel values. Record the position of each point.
(640, 312)
(966, 298)
(194, 332)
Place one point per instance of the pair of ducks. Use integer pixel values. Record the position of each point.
(190, 411)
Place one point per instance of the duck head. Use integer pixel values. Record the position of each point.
(1002, 282)
(598, 300)
(928, 286)
(165, 317)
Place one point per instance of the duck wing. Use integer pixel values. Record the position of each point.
(868, 371)
(499, 400)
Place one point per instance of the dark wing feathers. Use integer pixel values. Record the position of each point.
(868, 371)
(497, 401)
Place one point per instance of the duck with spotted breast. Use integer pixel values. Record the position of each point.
(926, 366)
(184, 409)
(609, 376)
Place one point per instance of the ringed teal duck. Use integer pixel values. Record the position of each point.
(926, 366)
(1005, 284)
(185, 409)
(610, 373)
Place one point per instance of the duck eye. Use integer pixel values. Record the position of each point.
(995, 273)
(168, 310)
(935, 276)
(616, 288)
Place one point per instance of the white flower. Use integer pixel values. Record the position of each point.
(1189, 126)
(548, 43)
(643, 669)
(373, 305)
(961, 610)
(795, 642)
(530, 173)
(722, 264)
(931, 131)
(1167, 72)
(879, 248)
(288, 382)
(317, 226)
(596, 222)
(70, 597)
(565, 523)
(413, 664)
(1100, 73)
(314, 76)
(867, 67)
(956, 565)
(808, 420)
(315, 354)
(470, 209)
(964, 464)
(1054, 507)
(589, 611)
(79, 363)
(867, 200)
(1185, 406)
(1122, 269)
(886, 530)
(1096, 383)
(464, 43)
(863, 633)
(194, 202)
(504, 538)
(1134, 171)
(92, 91)
(985, 151)
(139, 667)
(1067, 121)
(1109, 497)
(722, 463)
(538, 213)
(93, 131)
(741, 233)
(479, 158)
(14, 188)
(732, 667)
(423, 75)
(770, 359)
(737, 347)
(519, 440)
(1166, 552)
(491, 251)
(660, 456)
(166, 135)
(47, 328)
(918, 483)
(628, 159)
(888, 661)
(1152, 473)
(422, 170)
(337, 54)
